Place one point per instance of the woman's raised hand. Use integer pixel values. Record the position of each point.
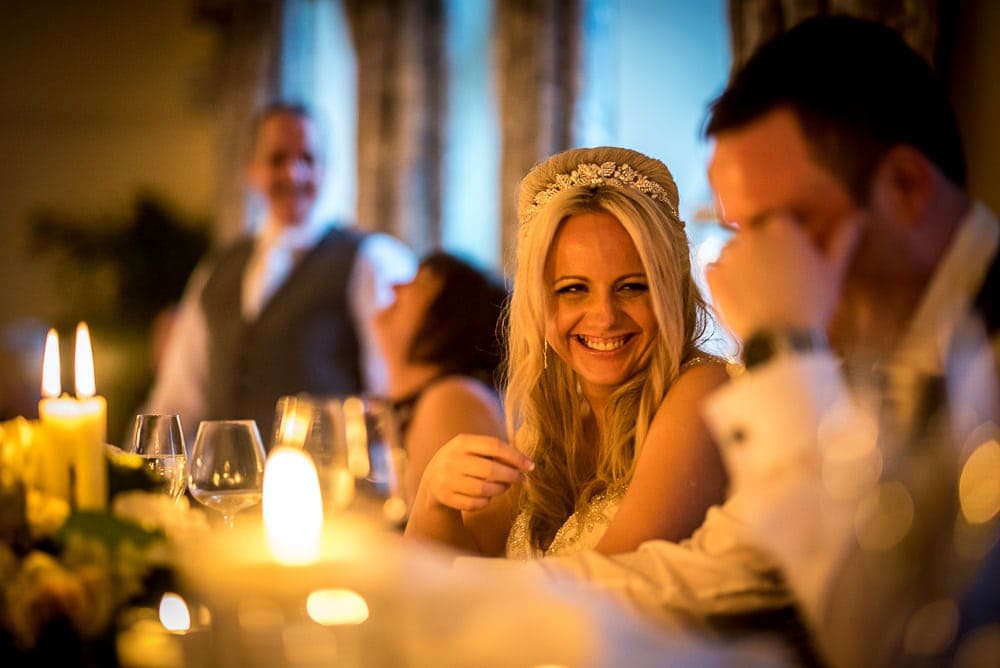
(469, 470)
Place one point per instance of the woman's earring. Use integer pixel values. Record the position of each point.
(545, 354)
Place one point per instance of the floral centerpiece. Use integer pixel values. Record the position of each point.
(65, 575)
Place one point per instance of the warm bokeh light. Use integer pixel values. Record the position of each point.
(852, 462)
(932, 628)
(51, 382)
(394, 509)
(884, 517)
(356, 432)
(174, 613)
(340, 484)
(293, 506)
(979, 484)
(84, 363)
(296, 419)
(333, 607)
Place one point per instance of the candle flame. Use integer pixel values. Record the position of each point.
(84, 360)
(174, 613)
(51, 383)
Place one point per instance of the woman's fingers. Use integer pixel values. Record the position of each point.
(473, 496)
(495, 449)
(470, 470)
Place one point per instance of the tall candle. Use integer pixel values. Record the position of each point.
(78, 428)
(54, 455)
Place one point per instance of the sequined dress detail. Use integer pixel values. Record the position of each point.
(581, 531)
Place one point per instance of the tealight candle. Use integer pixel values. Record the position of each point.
(76, 427)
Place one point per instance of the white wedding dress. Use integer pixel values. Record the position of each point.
(581, 531)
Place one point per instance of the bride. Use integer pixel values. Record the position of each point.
(605, 377)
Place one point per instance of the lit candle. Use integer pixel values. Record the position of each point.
(293, 507)
(77, 427)
(54, 457)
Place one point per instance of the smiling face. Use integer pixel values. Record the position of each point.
(286, 168)
(600, 316)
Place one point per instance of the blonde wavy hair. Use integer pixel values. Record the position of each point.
(544, 410)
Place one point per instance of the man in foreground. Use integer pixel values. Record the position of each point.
(861, 440)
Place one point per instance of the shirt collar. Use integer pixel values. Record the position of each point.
(298, 237)
(952, 290)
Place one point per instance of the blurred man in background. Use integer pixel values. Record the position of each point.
(287, 309)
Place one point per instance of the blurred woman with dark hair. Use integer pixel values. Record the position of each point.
(440, 342)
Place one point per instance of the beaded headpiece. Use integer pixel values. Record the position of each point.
(593, 174)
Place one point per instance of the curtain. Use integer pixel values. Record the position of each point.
(538, 65)
(918, 21)
(247, 75)
(402, 77)
(401, 116)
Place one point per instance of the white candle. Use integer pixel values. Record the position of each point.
(54, 454)
(91, 467)
(77, 427)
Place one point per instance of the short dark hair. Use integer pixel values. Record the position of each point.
(461, 330)
(276, 107)
(857, 89)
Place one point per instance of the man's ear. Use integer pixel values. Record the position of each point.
(904, 185)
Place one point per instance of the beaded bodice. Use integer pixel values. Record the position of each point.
(581, 531)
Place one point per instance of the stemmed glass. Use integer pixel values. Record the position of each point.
(226, 472)
(158, 439)
(355, 443)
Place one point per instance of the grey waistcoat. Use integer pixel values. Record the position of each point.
(304, 339)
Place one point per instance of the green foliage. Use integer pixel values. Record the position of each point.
(106, 528)
(151, 250)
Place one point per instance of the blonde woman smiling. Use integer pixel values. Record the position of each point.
(605, 377)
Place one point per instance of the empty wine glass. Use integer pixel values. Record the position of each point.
(354, 442)
(158, 439)
(226, 471)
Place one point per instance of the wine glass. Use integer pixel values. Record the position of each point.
(158, 439)
(356, 446)
(226, 472)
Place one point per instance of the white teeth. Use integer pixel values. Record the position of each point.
(603, 345)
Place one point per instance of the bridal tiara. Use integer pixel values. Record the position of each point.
(593, 174)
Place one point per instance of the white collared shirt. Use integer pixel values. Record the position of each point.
(381, 262)
(800, 446)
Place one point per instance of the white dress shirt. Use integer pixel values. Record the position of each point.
(805, 465)
(381, 262)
